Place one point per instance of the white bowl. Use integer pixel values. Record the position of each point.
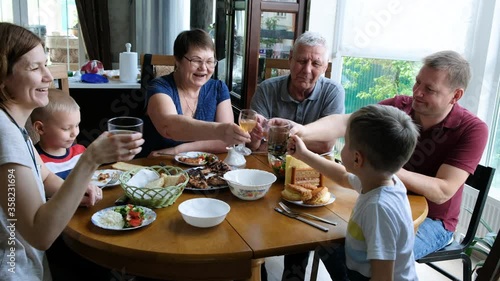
(204, 212)
(249, 184)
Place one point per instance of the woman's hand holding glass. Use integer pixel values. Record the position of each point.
(247, 120)
(110, 147)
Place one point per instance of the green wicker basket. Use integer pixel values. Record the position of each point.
(154, 197)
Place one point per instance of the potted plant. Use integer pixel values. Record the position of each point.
(481, 245)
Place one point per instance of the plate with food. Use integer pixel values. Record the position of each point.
(304, 204)
(208, 177)
(195, 158)
(103, 178)
(307, 195)
(126, 217)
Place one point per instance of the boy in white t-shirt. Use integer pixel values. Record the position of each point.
(380, 236)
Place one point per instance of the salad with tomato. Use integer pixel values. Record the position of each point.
(132, 215)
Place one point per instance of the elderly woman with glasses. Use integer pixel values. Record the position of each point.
(187, 110)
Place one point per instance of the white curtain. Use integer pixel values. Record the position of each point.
(406, 29)
(158, 22)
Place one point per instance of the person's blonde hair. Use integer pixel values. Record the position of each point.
(59, 101)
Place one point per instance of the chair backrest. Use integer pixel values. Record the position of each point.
(156, 65)
(491, 268)
(60, 73)
(481, 181)
(153, 66)
(282, 66)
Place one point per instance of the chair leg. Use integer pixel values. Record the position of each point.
(315, 265)
(467, 267)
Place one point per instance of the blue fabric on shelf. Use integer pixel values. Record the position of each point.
(94, 78)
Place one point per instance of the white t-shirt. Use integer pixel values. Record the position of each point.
(19, 260)
(381, 228)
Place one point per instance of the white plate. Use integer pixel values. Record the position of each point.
(149, 217)
(210, 187)
(193, 154)
(105, 182)
(300, 203)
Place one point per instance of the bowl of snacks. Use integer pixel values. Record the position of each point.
(155, 186)
(204, 212)
(249, 184)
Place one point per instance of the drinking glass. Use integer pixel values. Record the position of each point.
(277, 146)
(247, 121)
(125, 125)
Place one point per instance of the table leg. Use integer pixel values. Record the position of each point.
(256, 264)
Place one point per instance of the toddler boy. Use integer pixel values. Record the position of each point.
(379, 241)
(57, 124)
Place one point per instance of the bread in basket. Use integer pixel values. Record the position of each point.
(154, 197)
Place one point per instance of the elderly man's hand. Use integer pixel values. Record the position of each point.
(295, 128)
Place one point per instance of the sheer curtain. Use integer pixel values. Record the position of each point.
(158, 23)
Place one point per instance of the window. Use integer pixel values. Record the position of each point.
(368, 81)
(55, 21)
(377, 47)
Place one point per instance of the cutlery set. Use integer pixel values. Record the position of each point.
(285, 210)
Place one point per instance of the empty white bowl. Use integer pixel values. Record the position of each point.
(204, 212)
(249, 184)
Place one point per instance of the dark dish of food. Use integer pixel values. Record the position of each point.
(209, 176)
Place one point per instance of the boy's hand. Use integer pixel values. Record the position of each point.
(92, 196)
(296, 147)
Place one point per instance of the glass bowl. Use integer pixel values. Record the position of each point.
(277, 163)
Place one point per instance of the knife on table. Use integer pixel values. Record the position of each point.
(306, 214)
(320, 227)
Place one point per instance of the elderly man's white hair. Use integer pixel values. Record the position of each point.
(312, 39)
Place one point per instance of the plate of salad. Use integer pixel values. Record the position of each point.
(126, 217)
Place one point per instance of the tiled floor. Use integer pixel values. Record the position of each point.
(274, 266)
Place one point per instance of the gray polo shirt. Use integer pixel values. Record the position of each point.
(272, 99)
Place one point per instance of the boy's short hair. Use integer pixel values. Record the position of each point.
(385, 135)
(59, 101)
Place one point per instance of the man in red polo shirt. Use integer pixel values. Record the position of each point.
(451, 143)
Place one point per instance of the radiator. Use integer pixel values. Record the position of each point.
(491, 213)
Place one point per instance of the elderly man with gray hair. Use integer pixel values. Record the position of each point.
(304, 95)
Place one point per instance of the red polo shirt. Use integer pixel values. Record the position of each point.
(459, 140)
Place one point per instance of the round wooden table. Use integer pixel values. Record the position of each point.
(171, 249)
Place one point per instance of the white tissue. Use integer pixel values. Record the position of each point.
(142, 178)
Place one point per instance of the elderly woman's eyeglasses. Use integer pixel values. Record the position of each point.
(199, 63)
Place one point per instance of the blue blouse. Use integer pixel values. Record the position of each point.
(211, 94)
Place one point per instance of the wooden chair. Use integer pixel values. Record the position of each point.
(480, 181)
(153, 66)
(283, 68)
(60, 74)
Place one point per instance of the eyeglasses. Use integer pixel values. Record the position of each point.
(199, 63)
